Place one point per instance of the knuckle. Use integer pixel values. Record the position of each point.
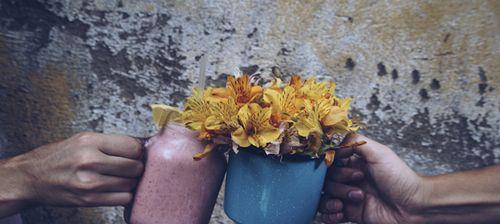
(88, 160)
(137, 149)
(86, 138)
(88, 200)
(86, 184)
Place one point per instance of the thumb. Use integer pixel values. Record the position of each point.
(371, 151)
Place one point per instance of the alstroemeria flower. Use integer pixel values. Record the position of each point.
(295, 82)
(255, 128)
(308, 120)
(242, 91)
(196, 112)
(337, 121)
(224, 118)
(283, 104)
(313, 90)
(216, 94)
(334, 116)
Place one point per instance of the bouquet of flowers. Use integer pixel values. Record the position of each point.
(297, 117)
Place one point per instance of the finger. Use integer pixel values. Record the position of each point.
(344, 153)
(356, 162)
(345, 175)
(342, 191)
(331, 205)
(353, 212)
(116, 184)
(106, 199)
(120, 167)
(332, 218)
(372, 151)
(120, 145)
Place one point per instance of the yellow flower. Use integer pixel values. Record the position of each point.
(338, 112)
(255, 128)
(216, 94)
(242, 90)
(283, 104)
(162, 114)
(334, 116)
(295, 82)
(224, 117)
(308, 120)
(196, 112)
(337, 121)
(313, 90)
(341, 128)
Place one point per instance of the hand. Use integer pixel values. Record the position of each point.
(375, 186)
(88, 169)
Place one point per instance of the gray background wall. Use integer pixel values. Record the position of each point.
(424, 75)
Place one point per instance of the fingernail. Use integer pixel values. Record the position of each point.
(355, 195)
(357, 176)
(330, 205)
(335, 217)
(339, 216)
(325, 217)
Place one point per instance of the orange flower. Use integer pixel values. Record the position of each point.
(255, 128)
(242, 90)
(283, 104)
(295, 82)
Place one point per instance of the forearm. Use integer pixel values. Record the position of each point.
(463, 197)
(14, 185)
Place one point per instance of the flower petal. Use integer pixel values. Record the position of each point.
(212, 123)
(162, 114)
(268, 135)
(208, 148)
(240, 137)
(329, 156)
(335, 115)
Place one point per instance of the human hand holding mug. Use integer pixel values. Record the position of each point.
(376, 186)
(88, 169)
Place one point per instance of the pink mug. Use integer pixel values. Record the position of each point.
(175, 188)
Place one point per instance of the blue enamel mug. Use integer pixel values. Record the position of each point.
(264, 189)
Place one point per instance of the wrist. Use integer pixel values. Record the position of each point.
(421, 201)
(16, 189)
(424, 202)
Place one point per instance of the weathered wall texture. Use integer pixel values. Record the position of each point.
(424, 75)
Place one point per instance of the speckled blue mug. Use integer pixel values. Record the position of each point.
(266, 189)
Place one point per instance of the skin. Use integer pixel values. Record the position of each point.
(376, 186)
(88, 169)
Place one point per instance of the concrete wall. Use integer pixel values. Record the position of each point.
(424, 75)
